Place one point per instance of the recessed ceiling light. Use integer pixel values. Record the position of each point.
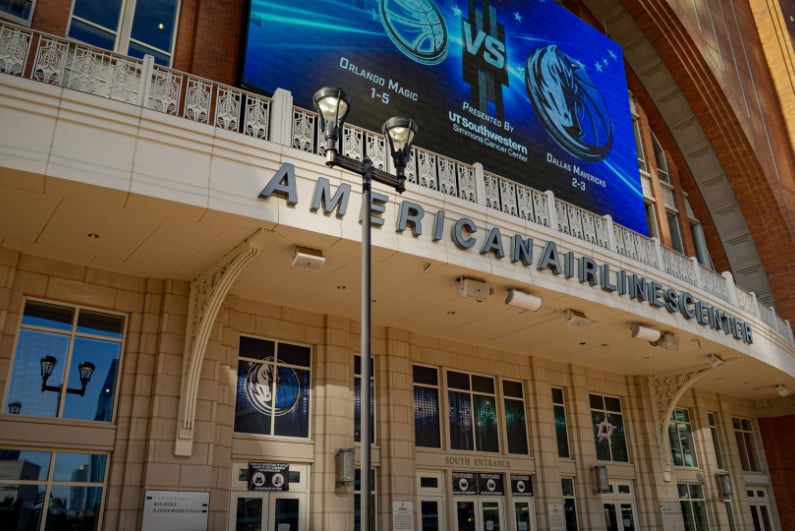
(93, 235)
(341, 286)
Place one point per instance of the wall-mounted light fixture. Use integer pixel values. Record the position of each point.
(576, 318)
(523, 300)
(667, 341)
(724, 484)
(716, 361)
(601, 481)
(477, 289)
(783, 391)
(657, 338)
(305, 258)
(345, 467)
(47, 364)
(645, 333)
(14, 408)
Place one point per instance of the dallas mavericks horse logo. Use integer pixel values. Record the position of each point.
(568, 104)
(260, 389)
(417, 28)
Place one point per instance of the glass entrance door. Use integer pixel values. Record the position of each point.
(619, 517)
(255, 511)
(479, 514)
(524, 516)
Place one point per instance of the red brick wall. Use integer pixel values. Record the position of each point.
(210, 38)
(778, 435)
(52, 16)
(759, 163)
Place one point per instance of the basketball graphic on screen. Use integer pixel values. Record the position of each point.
(568, 104)
(417, 28)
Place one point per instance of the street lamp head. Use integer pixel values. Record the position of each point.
(399, 133)
(332, 105)
(47, 363)
(86, 370)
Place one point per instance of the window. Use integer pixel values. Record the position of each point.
(51, 490)
(746, 444)
(66, 362)
(134, 28)
(608, 428)
(700, 242)
(676, 233)
(560, 422)
(426, 407)
(357, 493)
(694, 507)
(357, 400)
(760, 512)
(17, 10)
(713, 430)
(472, 406)
(730, 516)
(273, 382)
(680, 433)
(662, 162)
(651, 219)
(569, 504)
(515, 425)
(639, 146)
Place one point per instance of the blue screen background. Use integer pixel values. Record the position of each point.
(302, 47)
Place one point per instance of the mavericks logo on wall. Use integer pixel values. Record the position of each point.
(522, 86)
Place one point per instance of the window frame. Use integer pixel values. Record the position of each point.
(660, 159)
(569, 500)
(122, 34)
(596, 430)
(50, 481)
(501, 391)
(675, 231)
(749, 461)
(472, 393)
(675, 426)
(73, 334)
(24, 21)
(561, 430)
(439, 416)
(717, 445)
(310, 397)
(695, 499)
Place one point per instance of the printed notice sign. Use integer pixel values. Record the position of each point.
(166, 510)
(268, 476)
(402, 516)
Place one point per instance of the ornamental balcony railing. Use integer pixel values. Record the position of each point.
(68, 64)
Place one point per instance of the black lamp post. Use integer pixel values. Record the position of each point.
(332, 105)
(47, 364)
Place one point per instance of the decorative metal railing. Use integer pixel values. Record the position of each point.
(65, 63)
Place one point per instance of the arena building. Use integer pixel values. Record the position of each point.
(578, 310)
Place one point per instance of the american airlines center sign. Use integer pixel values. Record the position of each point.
(522, 86)
(465, 234)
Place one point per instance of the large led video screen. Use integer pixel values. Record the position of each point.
(522, 86)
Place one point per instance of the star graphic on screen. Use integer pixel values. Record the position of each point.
(598, 66)
(613, 55)
(604, 430)
(457, 11)
(374, 14)
(517, 16)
